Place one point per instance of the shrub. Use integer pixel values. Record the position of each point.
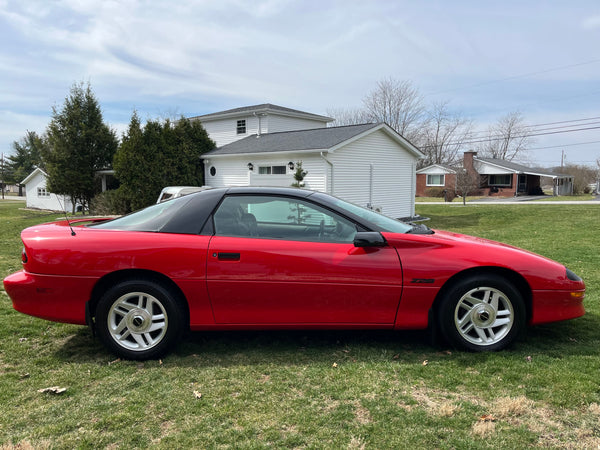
(110, 203)
(435, 192)
(440, 192)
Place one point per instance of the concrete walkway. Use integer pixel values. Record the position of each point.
(515, 201)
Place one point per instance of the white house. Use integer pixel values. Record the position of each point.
(228, 126)
(39, 197)
(369, 164)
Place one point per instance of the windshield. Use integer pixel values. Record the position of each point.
(386, 223)
(152, 218)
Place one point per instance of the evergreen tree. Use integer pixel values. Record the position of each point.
(79, 144)
(160, 154)
(26, 158)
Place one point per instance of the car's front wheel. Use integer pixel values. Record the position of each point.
(139, 319)
(482, 313)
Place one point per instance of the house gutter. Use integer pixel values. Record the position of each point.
(330, 165)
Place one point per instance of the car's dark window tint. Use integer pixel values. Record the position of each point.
(152, 218)
(275, 217)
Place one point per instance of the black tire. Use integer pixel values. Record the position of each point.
(481, 313)
(139, 319)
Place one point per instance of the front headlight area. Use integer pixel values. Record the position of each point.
(572, 275)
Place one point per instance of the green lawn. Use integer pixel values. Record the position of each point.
(316, 389)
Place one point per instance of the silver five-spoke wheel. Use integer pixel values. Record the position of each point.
(481, 313)
(484, 316)
(137, 321)
(140, 319)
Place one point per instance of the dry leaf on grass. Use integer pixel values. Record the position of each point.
(52, 390)
(197, 395)
(487, 418)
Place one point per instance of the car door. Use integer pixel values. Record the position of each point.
(284, 260)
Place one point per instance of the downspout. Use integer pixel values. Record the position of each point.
(330, 165)
(370, 205)
(259, 115)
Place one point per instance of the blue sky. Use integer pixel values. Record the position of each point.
(167, 59)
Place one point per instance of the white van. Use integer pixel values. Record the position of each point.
(178, 191)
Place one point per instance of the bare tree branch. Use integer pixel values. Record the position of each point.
(444, 135)
(508, 138)
(399, 104)
(348, 116)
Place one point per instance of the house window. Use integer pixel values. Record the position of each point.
(272, 170)
(241, 126)
(42, 192)
(500, 180)
(436, 180)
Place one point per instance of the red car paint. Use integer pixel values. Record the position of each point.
(279, 284)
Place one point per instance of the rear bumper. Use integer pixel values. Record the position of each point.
(51, 297)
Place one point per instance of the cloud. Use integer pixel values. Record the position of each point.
(591, 23)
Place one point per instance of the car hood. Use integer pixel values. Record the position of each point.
(446, 253)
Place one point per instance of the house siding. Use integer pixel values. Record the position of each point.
(51, 202)
(278, 123)
(224, 131)
(372, 171)
(233, 171)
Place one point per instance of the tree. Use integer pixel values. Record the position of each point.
(79, 144)
(399, 104)
(299, 175)
(583, 177)
(466, 183)
(348, 116)
(444, 135)
(160, 154)
(507, 138)
(27, 156)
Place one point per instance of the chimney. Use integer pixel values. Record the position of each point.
(468, 161)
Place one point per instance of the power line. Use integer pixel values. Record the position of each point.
(533, 127)
(491, 138)
(565, 145)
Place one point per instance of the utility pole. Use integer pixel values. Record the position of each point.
(562, 160)
(2, 175)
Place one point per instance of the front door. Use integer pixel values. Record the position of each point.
(282, 260)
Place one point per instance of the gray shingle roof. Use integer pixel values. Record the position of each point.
(518, 168)
(265, 107)
(315, 139)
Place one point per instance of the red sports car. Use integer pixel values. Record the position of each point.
(281, 258)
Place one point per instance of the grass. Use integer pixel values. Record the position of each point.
(316, 389)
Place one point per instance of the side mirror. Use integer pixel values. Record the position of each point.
(369, 239)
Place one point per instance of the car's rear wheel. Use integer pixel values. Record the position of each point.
(482, 313)
(139, 319)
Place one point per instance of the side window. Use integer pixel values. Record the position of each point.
(273, 217)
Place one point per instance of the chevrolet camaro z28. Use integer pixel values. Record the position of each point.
(281, 258)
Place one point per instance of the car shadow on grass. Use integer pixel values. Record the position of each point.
(227, 348)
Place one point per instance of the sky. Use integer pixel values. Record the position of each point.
(193, 57)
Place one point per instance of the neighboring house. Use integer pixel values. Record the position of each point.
(228, 126)
(39, 197)
(434, 178)
(370, 164)
(505, 178)
(497, 177)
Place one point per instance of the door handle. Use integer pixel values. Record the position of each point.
(223, 256)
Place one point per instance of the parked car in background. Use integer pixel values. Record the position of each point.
(178, 191)
(281, 258)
